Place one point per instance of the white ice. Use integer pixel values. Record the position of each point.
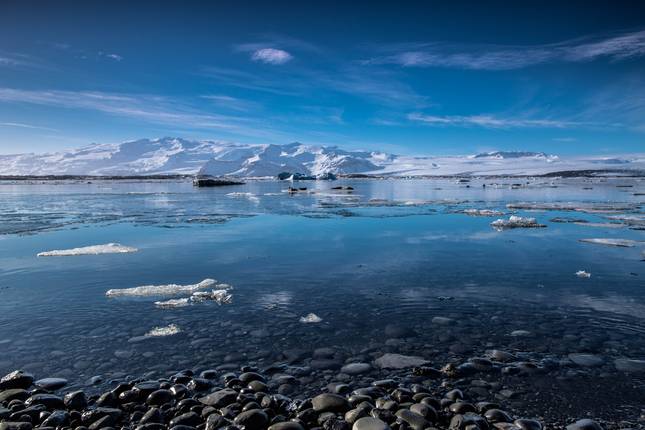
(583, 274)
(160, 290)
(168, 330)
(625, 243)
(222, 296)
(482, 212)
(108, 248)
(515, 221)
(310, 318)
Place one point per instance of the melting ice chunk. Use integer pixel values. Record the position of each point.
(583, 274)
(482, 212)
(168, 330)
(162, 290)
(108, 248)
(624, 243)
(222, 296)
(310, 318)
(515, 221)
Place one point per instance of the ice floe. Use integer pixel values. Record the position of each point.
(483, 212)
(515, 221)
(310, 318)
(168, 330)
(221, 296)
(163, 290)
(108, 248)
(624, 243)
(583, 274)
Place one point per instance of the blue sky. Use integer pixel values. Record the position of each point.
(404, 77)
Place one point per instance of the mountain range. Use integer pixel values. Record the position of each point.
(171, 155)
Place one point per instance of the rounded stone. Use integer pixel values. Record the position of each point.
(356, 368)
(51, 384)
(255, 419)
(370, 423)
(584, 424)
(328, 402)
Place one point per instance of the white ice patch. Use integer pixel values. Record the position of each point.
(221, 297)
(108, 248)
(168, 330)
(250, 196)
(515, 221)
(583, 274)
(310, 318)
(162, 290)
(624, 243)
(482, 212)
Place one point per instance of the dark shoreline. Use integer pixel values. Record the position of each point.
(249, 398)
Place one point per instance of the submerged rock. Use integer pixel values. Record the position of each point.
(398, 361)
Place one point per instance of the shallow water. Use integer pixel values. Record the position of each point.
(390, 252)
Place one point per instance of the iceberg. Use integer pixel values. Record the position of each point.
(583, 274)
(108, 248)
(168, 330)
(515, 222)
(310, 318)
(624, 243)
(163, 290)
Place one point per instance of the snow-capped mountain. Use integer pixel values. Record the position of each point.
(271, 160)
(180, 156)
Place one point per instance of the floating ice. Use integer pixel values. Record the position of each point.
(310, 318)
(108, 248)
(515, 222)
(168, 330)
(249, 196)
(482, 212)
(162, 290)
(600, 224)
(222, 296)
(624, 243)
(583, 274)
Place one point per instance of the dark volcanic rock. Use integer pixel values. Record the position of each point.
(16, 379)
(327, 402)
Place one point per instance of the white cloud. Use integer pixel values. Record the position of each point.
(115, 57)
(495, 57)
(487, 121)
(271, 56)
(23, 125)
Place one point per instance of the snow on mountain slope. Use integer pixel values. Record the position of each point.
(270, 160)
(180, 156)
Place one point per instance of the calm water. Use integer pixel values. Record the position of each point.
(392, 252)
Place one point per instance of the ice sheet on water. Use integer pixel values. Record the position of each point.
(625, 243)
(108, 248)
(310, 318)
(483, 212)
(163, 290)
(168, 330)
(221, 296)
(573, 206)
(515, 221)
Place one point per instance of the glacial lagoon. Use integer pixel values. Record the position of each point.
(324, 277)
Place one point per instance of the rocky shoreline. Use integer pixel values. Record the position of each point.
(415, 397)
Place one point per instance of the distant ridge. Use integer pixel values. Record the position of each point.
(177, 156)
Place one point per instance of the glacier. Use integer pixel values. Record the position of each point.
(177, 156)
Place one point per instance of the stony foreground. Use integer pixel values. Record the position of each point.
(220, 399)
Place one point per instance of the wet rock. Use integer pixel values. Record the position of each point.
(584, 424)
(356, 368)
(51, 384)
(190, 419)
(255, 419)
(160, 397)
(328, 402)
(497, 416)
(398, 331)
(398, 361)
(415, 421)
(49, 401)
(75, 400)
(219, 398)
(12, 394)
(526, 424)
(8, 425)
(16, 379)
(586, 360)
(370, 423)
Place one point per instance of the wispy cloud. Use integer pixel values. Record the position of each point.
(26, 126)
(494, 57)
(271, 56)
(487, 121)
(149, 108)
